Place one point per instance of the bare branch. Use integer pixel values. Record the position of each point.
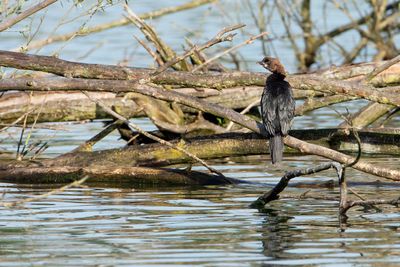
(368, 203)
(8, 23)
(244, 111)
(220, 37)
(381, 68)
(248, 41)
(116, 23)
(273, 194)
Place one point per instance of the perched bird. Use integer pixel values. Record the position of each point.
(277, 106)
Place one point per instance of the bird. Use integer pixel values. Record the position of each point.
(277, 106)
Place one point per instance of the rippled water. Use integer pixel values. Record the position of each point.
(205, 226)
(103, 225)
(99, 225)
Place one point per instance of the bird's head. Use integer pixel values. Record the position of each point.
(273, 65)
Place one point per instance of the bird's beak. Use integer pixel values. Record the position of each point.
(260, 62)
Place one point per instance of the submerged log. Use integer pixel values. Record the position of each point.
(385, 141)
(110, 174)
(206, 147)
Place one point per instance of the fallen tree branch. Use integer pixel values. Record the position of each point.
(74, 106)
(367, 115)
(62, 106)
(97, 71)
(110, 174)
(161, 141)
(183, 79)
(273, 194)
(358, 72)
(245, 121)
(146, 153)
(156, 154)
(88, 145)
(316, 103)
(312, 82)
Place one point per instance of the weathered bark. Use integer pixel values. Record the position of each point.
(61, 106)
(302, 83)
(216, 146)
(97, 71)
(368, 115)
(184, 79)
(316, 103)
(375, 141)
(358, 90)
(110, 174)
(357, 73)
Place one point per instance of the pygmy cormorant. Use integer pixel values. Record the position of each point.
(277, 106)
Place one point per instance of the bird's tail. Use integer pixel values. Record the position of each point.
(276, 148)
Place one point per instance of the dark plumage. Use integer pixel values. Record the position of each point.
(277, 106)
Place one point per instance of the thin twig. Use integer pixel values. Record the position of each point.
(166, 52)
(19, 154)
(88, 145)
(14, 123)
(220, 37)
(368, 203)
(12, 21)
(85, 31)
(381, 68)
(233, 48)
(273, 194)
(244, 111)
(148, 49)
